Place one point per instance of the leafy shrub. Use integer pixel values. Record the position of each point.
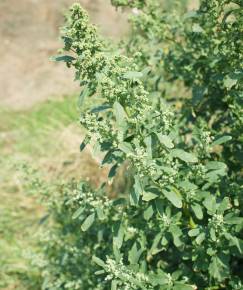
(181, 225)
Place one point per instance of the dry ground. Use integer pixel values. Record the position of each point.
(29, 36)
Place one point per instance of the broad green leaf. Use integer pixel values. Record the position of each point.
(134, 254)
(147, 196)
(233, 220)
(174, 198)
(210, 204)
(184, 156)
(216, 269)
(165, 140)
(148, 213)
(215, 165)
(197, 209)
(88, 222)
(221, 140)
(159, 206)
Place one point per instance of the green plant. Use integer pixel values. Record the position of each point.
(181, 225)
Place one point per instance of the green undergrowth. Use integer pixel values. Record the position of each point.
(27, 137)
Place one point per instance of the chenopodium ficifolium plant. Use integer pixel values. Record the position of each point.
(203, 49)
(181, 227)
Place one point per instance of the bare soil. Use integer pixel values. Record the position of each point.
(29, 36)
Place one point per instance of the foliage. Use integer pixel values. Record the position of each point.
(181, 225)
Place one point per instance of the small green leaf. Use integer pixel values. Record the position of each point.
(134, 254)
(120, 114)
(65, 58)
(184, 156)
(88, 222)
(200, 238)
(125, 147)
(194, 232)
(133, 75)
(197, 209)
(148, 213)
(99, 262)
(84, 94)
(210, 204)
(100, 213)
(181, 286)
(221, 140)
(137, 190)
(78, 212)
(165, 140)
(112, 171)
(84, 143)
(173, 198)
(147, 196)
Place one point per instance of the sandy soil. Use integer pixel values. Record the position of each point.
(29, 36)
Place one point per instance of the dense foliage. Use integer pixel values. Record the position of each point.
(181, 225)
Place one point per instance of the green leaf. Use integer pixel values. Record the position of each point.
(182, 286)
(133, 75)
(159, 206)
(233, 220)
(125, 147)
(84, 143)
(114, 284)
(118, 235)
(173, 198)
(215, 165)
(88, 222)
(134, 254)
(221, 140)
(78, 212)
(137, 190)
(229, 82)
(210, 204)
(165, 140)
(216, 269)
(99, 262)
(120, 114)
(100, 213)
(112, 171)
(147, 196)
(65, 58)
(184, 156)
(148, 213)
(200, 238)
(84, 94)
(194, 232)
(100, 108)
(197, 209)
